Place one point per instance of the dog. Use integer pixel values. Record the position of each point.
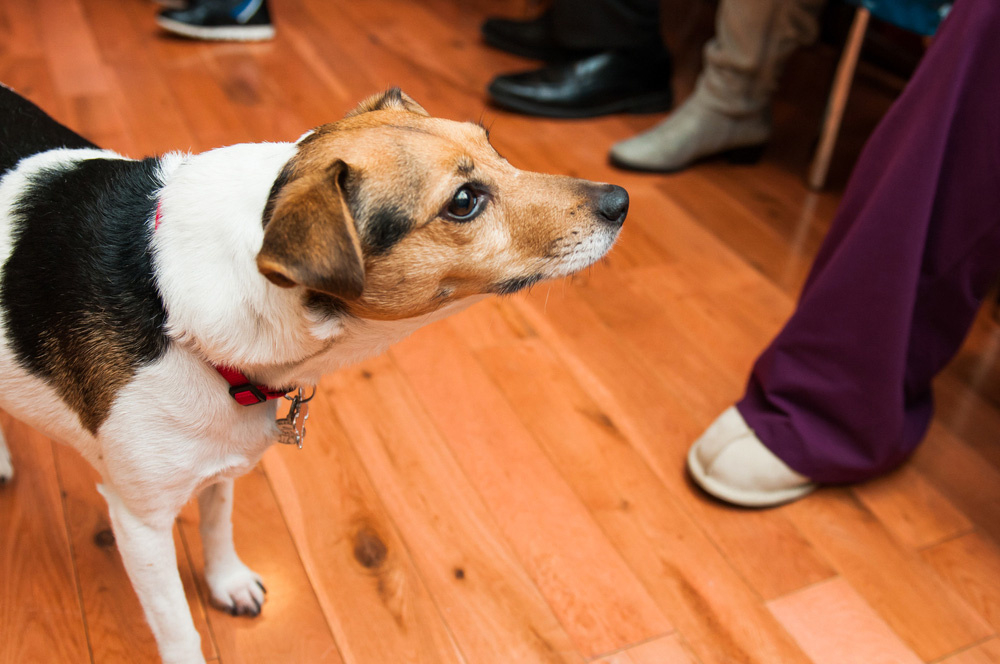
(153, 312)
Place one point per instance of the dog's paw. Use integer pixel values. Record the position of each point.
(237, 589)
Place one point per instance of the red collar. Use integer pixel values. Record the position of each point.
(246, 393)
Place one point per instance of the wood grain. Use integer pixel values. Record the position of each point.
(377, 605)
(971, 565)
(912, 509)
(40, 614)
(666, 650)
(987, 653)
(550, 530)
(960, 473)
(291, 626)
(834, 625)
(659, 540)
(491, 605)
(930, 617)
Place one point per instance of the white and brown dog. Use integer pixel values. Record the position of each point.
(146, 306)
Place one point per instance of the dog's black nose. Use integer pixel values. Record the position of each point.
(613, 204)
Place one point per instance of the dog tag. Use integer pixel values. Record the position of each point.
(292, 427)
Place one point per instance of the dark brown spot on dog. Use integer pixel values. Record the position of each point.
(284, 175)
(385, 228)
(104, 538)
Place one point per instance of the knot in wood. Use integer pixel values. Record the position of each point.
(369, 549)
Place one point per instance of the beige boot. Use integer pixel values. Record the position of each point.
(729, 111)
(731, 463)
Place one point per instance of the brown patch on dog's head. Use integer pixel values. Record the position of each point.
(310, 239)
(395, 214)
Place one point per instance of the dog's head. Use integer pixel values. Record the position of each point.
(392, 213)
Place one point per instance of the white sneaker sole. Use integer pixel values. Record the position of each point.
(223, 33)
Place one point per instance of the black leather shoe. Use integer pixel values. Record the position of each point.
(232, 20)
(610, 82)
(530, 39)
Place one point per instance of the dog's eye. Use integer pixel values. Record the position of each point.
(465, 205)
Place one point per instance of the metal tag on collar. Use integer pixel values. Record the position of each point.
(292, 427)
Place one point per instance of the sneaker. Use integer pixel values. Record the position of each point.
(732, 464)
(248, 20)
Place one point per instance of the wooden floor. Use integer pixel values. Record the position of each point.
(508, 486)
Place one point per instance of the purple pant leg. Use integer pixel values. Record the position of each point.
(842, 394)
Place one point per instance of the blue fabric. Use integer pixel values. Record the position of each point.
(920, 16)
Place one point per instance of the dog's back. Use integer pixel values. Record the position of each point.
(26, 130)
(78, 304)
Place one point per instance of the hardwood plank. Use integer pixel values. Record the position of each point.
(341, 44)
(20, 31)
(648, 397)
(929, 616)
(912, 509)
(963, 476)
(968, 415)
(834, 625)
(291, 626)
(666, 650)
(971, 565)
(987, 653)
(77, 66)
(116, 626)
(203, 104)
(447, 50)
(247, 87)
(491, 606)
(372, 596)
(596, 597)
(40, 613)
(763, 248)
(139, 94)
(975, 366)
(31, 78)
(611, 374)
(99, 119)
(711, 606)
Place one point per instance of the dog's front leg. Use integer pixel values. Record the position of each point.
(234, 586)
(146, 546)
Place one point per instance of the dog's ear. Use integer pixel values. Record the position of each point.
(392, 99)
(311, 239)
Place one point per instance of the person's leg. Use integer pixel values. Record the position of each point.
(730, 107)
(843, 392)
(604, 25)
(620, 63)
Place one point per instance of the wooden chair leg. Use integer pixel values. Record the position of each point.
(838, 99)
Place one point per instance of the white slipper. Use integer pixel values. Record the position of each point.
(731, 463)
